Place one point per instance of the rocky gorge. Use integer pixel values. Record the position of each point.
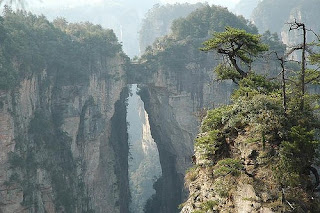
(63, 126)
(64, 144)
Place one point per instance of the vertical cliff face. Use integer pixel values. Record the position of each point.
(181, 89)
(63, 147)
(63, 117)
(305, 13)
(11, 120)
(174, 103)
(273, 15)
(94, 116)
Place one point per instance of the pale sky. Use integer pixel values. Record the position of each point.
(209, 1)
(72, 3)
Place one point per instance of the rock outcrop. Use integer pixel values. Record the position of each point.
(252, 191)
(64, 148)
(175, 103)
(275, 15)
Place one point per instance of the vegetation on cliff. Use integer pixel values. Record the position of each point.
(158, 20)
(179, 50)
(256, 144)
(235, 45)
(57, 56)
(207, 20)
(31, 44)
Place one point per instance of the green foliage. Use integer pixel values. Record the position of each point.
(315, 58)
(210, 143)
(236, 45)
(274, 43)
(313, 75)
(256, 112)
(206, 20)
(225, 72)
(243, 45)
(31, 44)
(262, 113)
(215, 118)
(164, 14)
(191, 175)
(296, 155)
(209, 205)
(222, 187)
(228, 166)
(255, 84)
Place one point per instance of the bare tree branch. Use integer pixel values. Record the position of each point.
(297, 26)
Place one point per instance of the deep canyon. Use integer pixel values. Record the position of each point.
(89, 130)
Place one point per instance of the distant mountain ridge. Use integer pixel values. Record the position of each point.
(245, 7)
(274, 14)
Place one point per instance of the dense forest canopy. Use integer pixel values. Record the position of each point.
(31, 44)
(207, 20)
(194, 29)
(187, 35)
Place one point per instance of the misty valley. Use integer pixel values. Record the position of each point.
(159, 106)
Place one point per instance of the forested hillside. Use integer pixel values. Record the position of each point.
(191, 32)
(157, 21)
(31, 44)
(235, 120)
(258, 154)
(62, 92)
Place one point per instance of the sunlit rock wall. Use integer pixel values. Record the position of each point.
(60, 151)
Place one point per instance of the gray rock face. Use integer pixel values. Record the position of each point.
(174, 103)
(240, 194)
(60, 151)
(273, 15)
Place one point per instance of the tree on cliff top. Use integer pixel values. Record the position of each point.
(285, 138)
(238, 46)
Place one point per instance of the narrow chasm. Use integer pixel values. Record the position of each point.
(144, 162)
(119, 141)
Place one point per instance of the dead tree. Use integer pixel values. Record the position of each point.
(297, 26)
(283, 81)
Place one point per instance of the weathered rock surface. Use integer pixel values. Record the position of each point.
(175, 101)
(82, 170)
(274, 16)
(252, 191)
